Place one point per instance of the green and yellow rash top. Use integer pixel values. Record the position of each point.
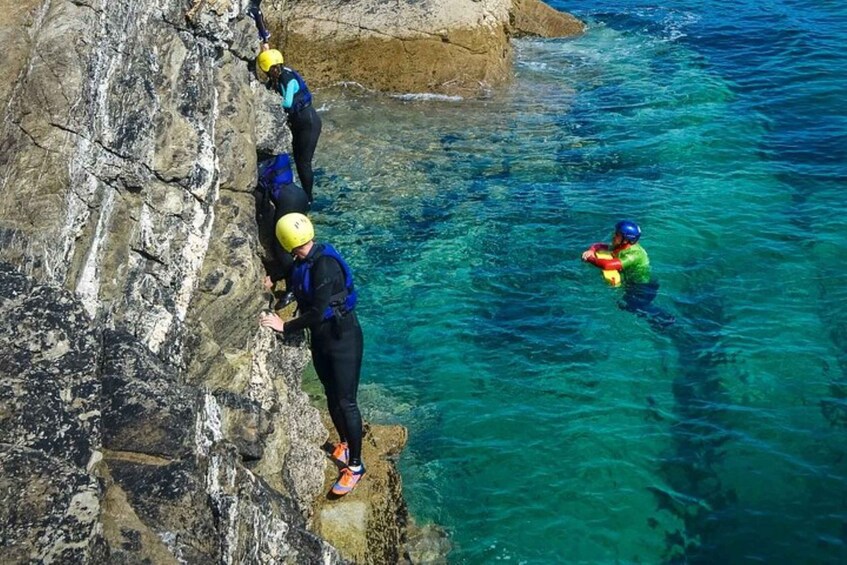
(635, 265)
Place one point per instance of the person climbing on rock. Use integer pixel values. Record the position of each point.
(303, 120)
(630, 259)
(278, 191)
(326, 298)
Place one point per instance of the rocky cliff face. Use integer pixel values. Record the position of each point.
(123, 129)
(144, 415)
(108, 457)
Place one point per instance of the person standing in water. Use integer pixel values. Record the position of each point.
(630, 259)
(303, 120)
(326, 297)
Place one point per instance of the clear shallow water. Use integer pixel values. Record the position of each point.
(546, 424)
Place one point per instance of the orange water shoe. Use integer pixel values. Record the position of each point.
(347, 481)
(341, 453)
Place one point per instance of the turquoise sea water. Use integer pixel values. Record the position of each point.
(547, 425)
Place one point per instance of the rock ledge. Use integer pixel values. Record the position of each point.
(438, 46)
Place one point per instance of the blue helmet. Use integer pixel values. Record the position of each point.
(629, 230)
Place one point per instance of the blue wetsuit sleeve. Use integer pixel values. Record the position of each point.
(288, 93)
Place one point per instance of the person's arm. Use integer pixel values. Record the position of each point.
(288, 92)
(326, 275)
(590, 253)
(612, 264)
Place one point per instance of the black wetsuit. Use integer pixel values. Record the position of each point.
(638, 299)
(287, 197)
(305, 129)
(304, 122)
(640, 287)
(337, 346)
(291, 198)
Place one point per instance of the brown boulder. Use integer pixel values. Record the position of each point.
(533, 17)
(439, 46)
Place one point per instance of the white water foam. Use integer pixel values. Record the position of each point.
(427, 96)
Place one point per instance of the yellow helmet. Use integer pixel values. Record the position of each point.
(294, 230)
(268, 59)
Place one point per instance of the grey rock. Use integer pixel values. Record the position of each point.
(50, 388)
(145, 409)
(49, 422)
(245, 423)
(49, 508)
(272, 134)
(109, 456)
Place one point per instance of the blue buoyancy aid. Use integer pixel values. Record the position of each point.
(275, 174)
(302, 97)
(341, 302)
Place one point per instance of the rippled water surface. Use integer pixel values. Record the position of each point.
(546, 424)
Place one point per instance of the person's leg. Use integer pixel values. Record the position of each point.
(305, 131)
(347, 364)
(324, 367)
(638, 299)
